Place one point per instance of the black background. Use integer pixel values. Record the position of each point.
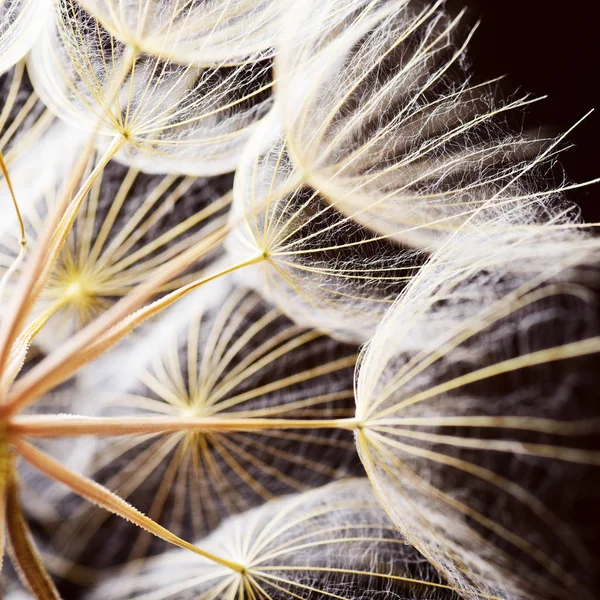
(547, 47)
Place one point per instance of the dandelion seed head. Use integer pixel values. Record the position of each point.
(178, 360)
(129, 225)
(381, 116)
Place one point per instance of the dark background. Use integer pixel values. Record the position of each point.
(547, 47)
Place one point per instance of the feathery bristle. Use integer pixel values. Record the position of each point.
(332, 542)
(200, 32)
(475, 398)
(167, 117)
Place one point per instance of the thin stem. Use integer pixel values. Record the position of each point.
(51, 426)
(49, 247)
(27, 560)
(56, 374)
(68, 358)
(4, 169)
(100, 496)
(22, 240)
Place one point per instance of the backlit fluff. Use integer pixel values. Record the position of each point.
(167, 117)
(379, 147)
(369, 165)
(228, 355)
(20, 24)
(201, 32)
(129, 225)
(381, 116)
(332, 542)
(475, 399)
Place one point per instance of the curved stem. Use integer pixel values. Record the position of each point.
(27, 560)
(4, 170)
(55, 234)
(22, 240)
(5, 476)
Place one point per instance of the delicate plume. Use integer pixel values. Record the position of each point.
(478, 431)
(166, 117)
(332, 542)
(129, 225)
(372, 173)
(381, 117)
(20, 24)
(200, 32)
(321, 267)
(230, 362)
(378, 149)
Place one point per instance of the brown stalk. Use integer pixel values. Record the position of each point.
(112, 326)
(59, 224)
(26, 558)
(2, 521)
(5, 475)
(104, 498)
(52, 426)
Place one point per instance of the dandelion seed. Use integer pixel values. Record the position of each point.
(166, 117)
(129, 225)
(334, 541)
(198, 32)
(381, 116)
(379, 149)
(474, 398)
(321, 267)
(242, 359)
